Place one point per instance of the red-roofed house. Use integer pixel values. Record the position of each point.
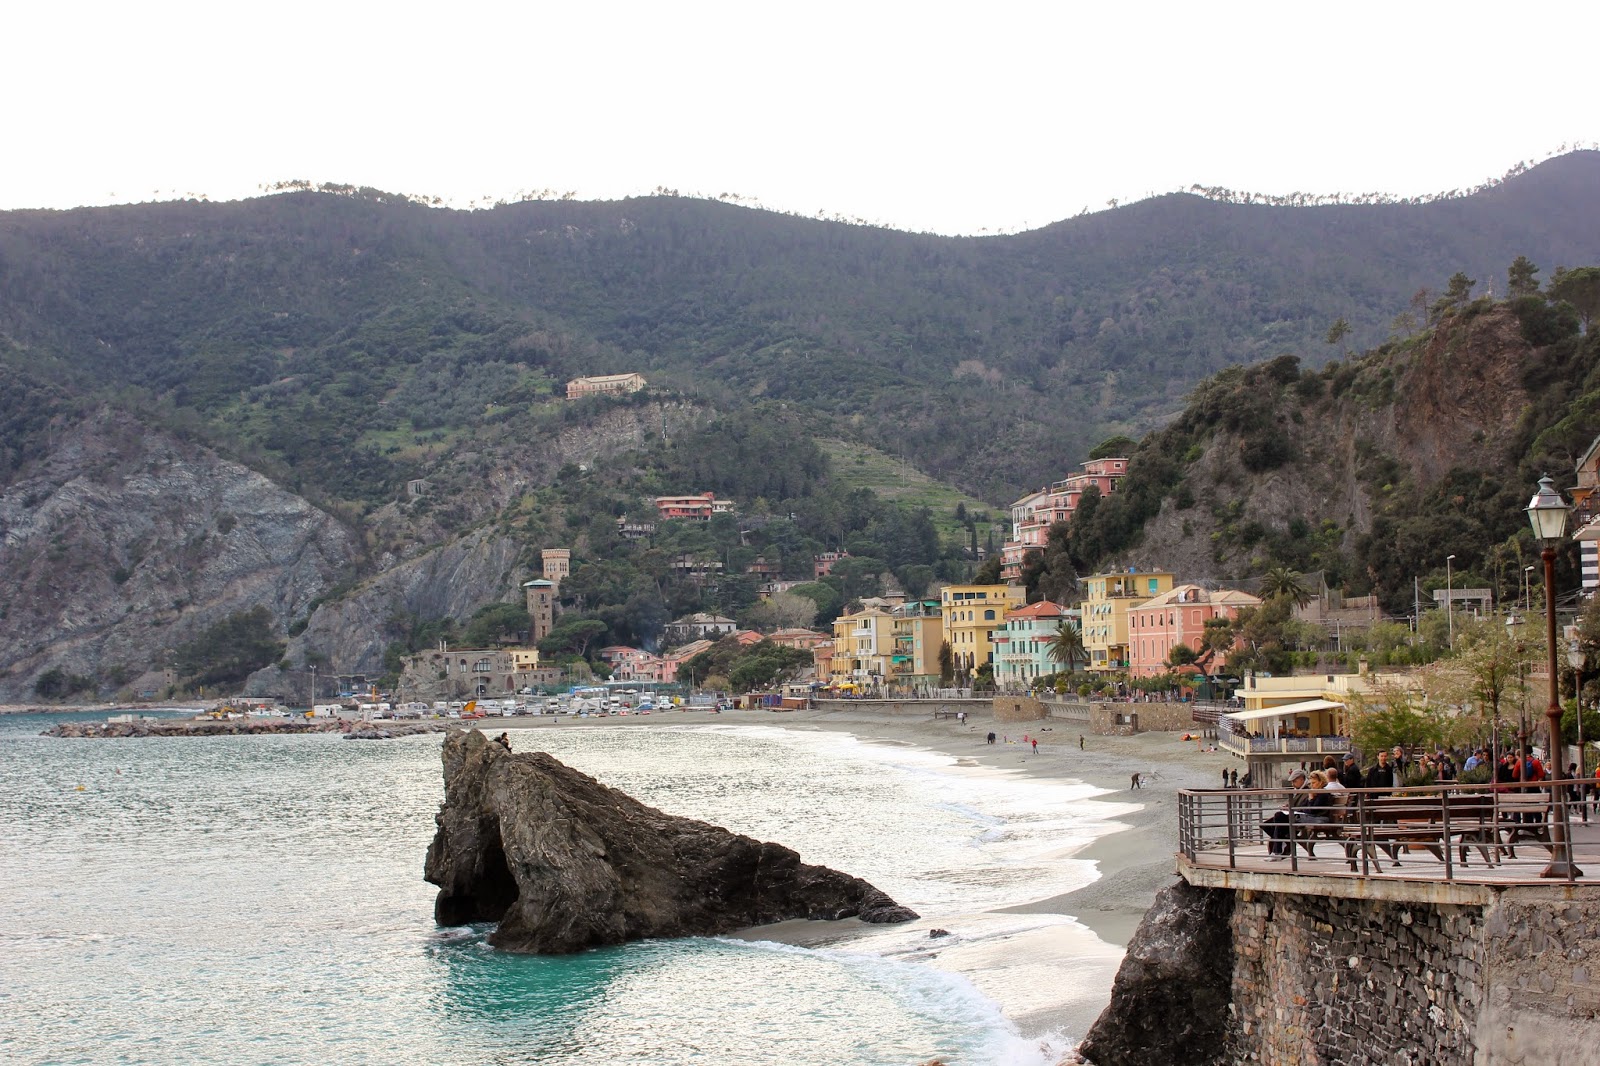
(1022, 647)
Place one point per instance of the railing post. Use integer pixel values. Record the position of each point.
(1444, 804)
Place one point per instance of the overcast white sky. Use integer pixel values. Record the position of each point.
(952, 118)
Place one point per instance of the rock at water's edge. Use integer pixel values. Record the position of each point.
(564, 863)
(1169, 1003)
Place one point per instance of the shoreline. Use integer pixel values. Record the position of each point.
(1075, 960)
(1068, 961)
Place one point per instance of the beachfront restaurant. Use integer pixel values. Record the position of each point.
(1274, 740)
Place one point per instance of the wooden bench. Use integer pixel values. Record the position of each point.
(1396, 823)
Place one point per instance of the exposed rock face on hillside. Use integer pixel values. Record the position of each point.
(564, 863)
(123, 542)
(1451, 403)
(452, 580)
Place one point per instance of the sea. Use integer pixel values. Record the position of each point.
(259, 899)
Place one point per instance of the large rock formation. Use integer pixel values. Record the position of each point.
(1169, 1003)
(564, 863)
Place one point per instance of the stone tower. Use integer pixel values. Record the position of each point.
(557, 565)
(541, 607)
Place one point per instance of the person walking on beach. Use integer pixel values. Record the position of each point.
(1135, 783)
(1080, 741)
(991, 738)
(1035, 745)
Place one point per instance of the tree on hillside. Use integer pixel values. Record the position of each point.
(1456, 294)
(1522, 277)
(1066, 646)
(573, 637)
(1280, 582)
(1580, 288)
(1337, 333)
(1116, 447)
(989, 572)
(495, 623)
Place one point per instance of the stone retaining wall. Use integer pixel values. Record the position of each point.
(1152, 718)
(1327, 980)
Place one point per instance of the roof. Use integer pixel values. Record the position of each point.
(1042, 609)
(1303, 707)
(1217, 597)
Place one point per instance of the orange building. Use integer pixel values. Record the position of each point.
(1178, 616)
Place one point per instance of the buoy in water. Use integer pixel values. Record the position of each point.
(80, 788)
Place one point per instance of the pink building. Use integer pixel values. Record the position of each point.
(1157, 626)
(1034, 514)
(633, 664)
(695, 508)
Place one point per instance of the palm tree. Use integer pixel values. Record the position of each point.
(1280, 582)
(1066, 646)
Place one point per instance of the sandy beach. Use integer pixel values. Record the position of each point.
(1077, 959)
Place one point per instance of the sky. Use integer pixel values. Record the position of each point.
(969, 118)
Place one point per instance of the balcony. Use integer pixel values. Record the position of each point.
(1247, 746)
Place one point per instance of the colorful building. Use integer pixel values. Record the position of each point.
(1034, 514)
(1110, 596)
(918, 635)
(698, 507)
(1176, 617)
(972, 615)
(863, 644)
(1023, 647)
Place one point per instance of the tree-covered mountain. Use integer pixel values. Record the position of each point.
(307, 323)
(211, 412)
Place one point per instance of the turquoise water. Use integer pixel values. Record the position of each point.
(260, 900)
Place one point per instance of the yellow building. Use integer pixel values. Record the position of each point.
(972, 615)
(1105, 613)
(863, 649)
(918, 633)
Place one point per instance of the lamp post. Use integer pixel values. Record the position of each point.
(1449, 601)
(1575, 659)
(1547, 514)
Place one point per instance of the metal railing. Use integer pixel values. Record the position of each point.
(1477, 833)
(1320, 745)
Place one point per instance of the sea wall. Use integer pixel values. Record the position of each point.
(1490, 976)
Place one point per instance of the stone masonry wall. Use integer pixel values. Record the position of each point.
(1326, 982)
(1508, 979)
(1019, 709)
(1153, 718)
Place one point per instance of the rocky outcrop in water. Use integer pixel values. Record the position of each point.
(564, 863)
(1170, 1001)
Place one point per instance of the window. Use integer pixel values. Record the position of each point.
(481, 666)
(988, 616)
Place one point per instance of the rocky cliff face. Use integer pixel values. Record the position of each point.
(564, 863)
(123, 541)
(1451, 403)
(452, 580)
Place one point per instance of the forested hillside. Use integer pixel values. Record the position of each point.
(1370, 470)
(209, 413)
(303, 323)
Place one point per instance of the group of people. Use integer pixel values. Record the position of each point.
(1315, 795)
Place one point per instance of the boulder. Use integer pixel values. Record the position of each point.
(564, 863)
(1169, 1002)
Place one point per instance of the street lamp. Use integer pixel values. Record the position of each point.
(1449, 601)
(1575, 657)
(1547, 514)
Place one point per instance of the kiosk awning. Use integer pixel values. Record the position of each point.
(1303, 707)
